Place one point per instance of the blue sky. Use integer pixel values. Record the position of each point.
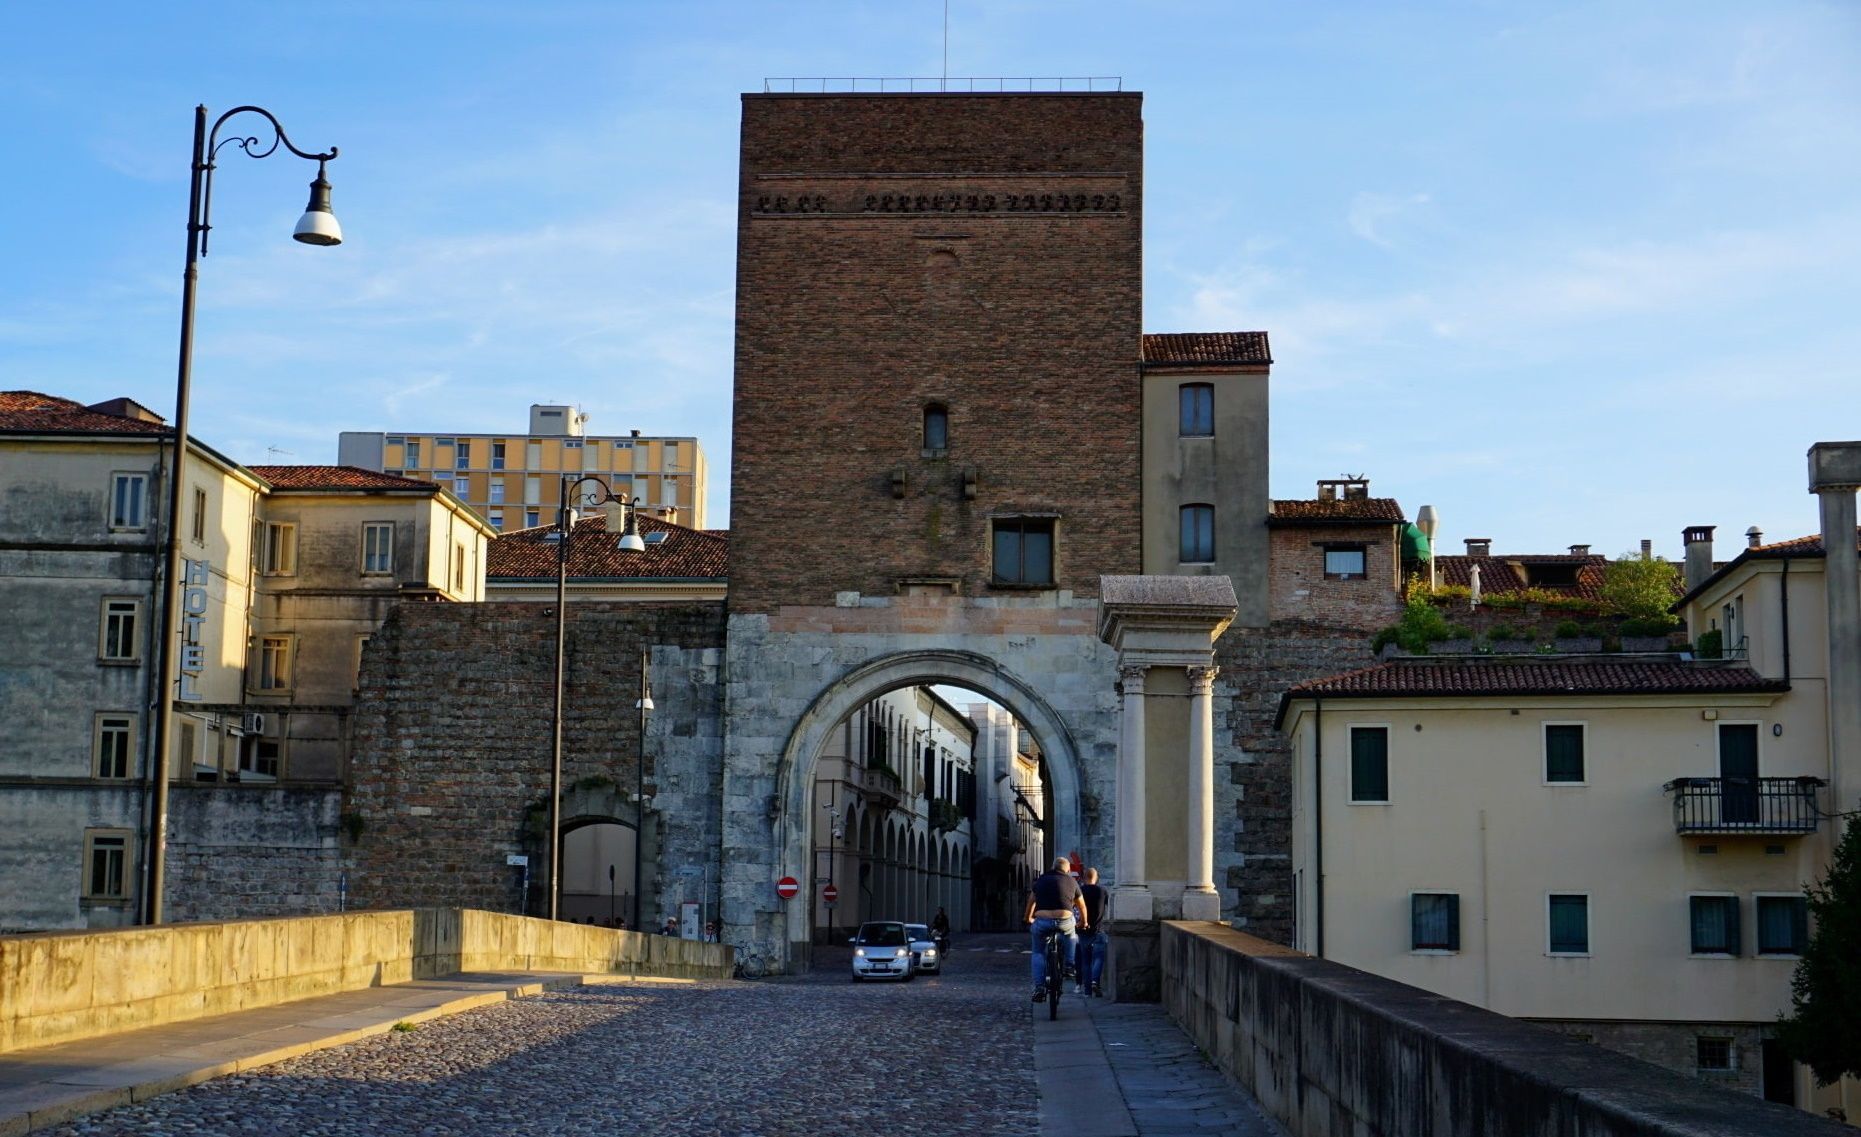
(1571, 272)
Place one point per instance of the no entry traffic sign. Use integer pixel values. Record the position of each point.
(787, 887)
(829, 893)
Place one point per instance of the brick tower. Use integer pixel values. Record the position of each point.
(937, 447)
(938, 322)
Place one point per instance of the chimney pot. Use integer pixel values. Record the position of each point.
(1754, 537)
(1479, 546)
(1647, 549)
(1579, 550)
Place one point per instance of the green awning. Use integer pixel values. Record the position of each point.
(1415, 544)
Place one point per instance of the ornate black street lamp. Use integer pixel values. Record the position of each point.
(630, 542)
(317, 227)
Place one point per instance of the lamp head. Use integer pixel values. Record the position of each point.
(318, 225)
(630, 539)
(1427, 520)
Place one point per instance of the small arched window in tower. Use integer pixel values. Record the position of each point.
(1198, 534)
(936, 430)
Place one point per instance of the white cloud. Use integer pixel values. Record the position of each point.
(1369, 213)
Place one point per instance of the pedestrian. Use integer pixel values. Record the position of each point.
(671, 928)
(1094, 944)
(710, 932)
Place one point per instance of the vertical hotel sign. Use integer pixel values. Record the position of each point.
(193, 615)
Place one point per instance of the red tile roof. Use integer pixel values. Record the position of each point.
(1206, 349)
(684, 554)
(1591, 675)
(336, 478)
(1507, 572)
(1340, 511)
(33, 413)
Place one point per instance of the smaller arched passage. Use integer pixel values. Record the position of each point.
(979, 673)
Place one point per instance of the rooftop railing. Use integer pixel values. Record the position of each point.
(932, 85)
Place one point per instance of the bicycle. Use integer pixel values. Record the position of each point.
(1054, 948)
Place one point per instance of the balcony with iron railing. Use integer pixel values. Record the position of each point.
(880, 786)
(1769, 807)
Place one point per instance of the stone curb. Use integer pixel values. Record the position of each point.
(85, 1100)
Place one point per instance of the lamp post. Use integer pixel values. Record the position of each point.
(833, 854)
(1429, 522)
(316, 227)
(643, 704)
(564, 532)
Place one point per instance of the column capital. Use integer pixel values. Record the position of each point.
(1131, 678)
(1202, 679)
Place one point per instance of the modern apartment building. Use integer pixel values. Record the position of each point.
(1613, 845)
(514, 481)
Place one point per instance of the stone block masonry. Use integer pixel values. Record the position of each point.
(1253, 803)
(245, 851)
(450, 770)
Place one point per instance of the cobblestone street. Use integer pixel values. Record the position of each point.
(815, 1055)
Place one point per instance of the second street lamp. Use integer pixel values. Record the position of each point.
(316, 227)
(630, 542)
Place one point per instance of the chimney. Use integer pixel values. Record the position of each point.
(1754, 537)
(1647, 549)
(1579, 550)
(635, 433)
(1479, 546)
(1698, 540)
(1327, 491)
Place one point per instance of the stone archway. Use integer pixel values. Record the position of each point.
(795, 767)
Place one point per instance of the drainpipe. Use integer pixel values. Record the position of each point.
(1318, 827)
(1786, 619)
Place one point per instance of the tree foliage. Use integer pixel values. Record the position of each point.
(1821, 1030)
(1640, 590)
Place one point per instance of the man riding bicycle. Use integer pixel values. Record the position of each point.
(1054, 907)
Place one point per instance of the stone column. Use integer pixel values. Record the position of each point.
(1131, 898)
(1834, 476)
(1200, 900)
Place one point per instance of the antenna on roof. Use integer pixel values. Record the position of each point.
(946, 44)
(281, 453)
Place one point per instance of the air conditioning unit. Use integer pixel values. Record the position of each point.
(254, 723)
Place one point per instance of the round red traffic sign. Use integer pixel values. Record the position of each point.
(829, 893)
(787, 887)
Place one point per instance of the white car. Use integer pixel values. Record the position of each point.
(882, 949)
(924, 953)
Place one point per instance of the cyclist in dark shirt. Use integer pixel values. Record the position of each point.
(1053, 905)
(1093, 942)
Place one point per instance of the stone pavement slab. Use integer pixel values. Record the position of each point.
(47, 1086)
(1128, 1071)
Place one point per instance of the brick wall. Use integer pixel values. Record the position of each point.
(452, 738)
(1025, 323)
(1297, 588)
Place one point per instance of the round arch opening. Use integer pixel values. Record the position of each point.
(922, 781)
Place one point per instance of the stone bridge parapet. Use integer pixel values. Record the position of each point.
(63, 987)
(1327, 1049)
